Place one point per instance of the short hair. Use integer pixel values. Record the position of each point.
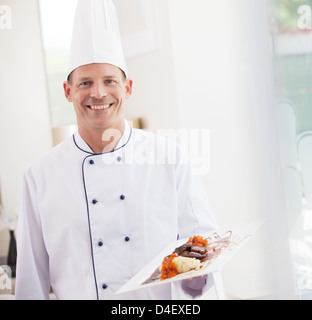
(69, 78)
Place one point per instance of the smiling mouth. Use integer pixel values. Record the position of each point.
(100, 107)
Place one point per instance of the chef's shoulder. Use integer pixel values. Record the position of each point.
(51, 158)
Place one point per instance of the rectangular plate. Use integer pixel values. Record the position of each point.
(237, 240)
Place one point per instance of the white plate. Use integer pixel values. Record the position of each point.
(237, 240)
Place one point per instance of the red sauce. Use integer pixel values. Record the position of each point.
(198, 241)
(167, 269)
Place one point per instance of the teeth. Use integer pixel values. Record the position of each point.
(100, 107)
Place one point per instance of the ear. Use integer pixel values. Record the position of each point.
(128, 87)
(68, 91)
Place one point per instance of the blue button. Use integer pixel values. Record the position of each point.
(100, 243)
(94, 201)
(91, 162)
(104, 286)
(127, 239)
(122, 197)
(119, 159)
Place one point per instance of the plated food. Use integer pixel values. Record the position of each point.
(193, 255)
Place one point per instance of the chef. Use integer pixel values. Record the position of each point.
(101, 205)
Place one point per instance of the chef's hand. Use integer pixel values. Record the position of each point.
(194, 287)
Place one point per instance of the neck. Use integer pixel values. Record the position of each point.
(102, 140)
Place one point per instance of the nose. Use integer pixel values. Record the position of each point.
(98, 90)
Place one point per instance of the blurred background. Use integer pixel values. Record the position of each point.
(240, 69)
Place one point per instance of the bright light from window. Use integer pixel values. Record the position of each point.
(57, 18)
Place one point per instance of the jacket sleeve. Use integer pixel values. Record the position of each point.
(195, 217)
(32, 271)
(195, 214)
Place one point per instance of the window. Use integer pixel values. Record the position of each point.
(57, 20)
(290, 24)
(291, 29)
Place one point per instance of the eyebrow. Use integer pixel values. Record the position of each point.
(84, 79)
(90, 78)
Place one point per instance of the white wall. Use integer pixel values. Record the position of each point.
(24, 115)
(154, 94)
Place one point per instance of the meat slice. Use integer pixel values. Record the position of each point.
(184, 247)
(200, 250)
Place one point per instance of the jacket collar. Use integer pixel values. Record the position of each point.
(83, 146)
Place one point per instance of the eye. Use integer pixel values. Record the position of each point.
(110, 81)
(84, 84)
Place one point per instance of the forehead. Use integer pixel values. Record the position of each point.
(95, 70)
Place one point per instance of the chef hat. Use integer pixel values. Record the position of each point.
(96, 37)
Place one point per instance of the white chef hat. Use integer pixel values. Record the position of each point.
(96, 36)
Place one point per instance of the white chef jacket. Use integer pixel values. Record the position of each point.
(89, 222)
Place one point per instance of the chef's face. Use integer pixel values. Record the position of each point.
(98, 92)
